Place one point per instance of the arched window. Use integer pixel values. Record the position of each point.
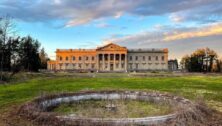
(67, 58)
(73, 58)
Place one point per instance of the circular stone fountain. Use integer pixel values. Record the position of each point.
(41, 109)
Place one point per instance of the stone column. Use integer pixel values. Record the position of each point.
(90, 62)
(120, 61)
(97, 62)
(103, 66)
(109, 55)
(125, 62)
(114, 62)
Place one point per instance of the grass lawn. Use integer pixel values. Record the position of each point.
(122, 109)
(191, 87)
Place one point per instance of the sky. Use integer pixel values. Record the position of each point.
(182, 26)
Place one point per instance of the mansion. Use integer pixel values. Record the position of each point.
(110, 58)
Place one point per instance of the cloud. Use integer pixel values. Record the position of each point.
(176, 18)
(169, 34)
(211, 30)
(79, 12)
(179, 40)
(203, 14)
(103, 25)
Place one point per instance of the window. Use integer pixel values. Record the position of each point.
(93, 65)
(131, 58)
(67, 58)
(137, 66)
(136, 58)
(122, 65)
(93, 58)
(100, 57)
(73, 65)
(131, 66)
(106, 57)
(117, 57)
(162, 58)
(66, 67)
(111, 57)
(149, 58)
(80, 66)
(60, 58)
(73, 58)
(144, 58)
(60, 65)
(156, 57)
(80, 58)
(117, 65)
(87, 58)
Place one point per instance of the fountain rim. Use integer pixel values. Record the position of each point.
(38, 106)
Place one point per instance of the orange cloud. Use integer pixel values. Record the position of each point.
(206, 31)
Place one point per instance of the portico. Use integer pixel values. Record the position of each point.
(112, 58)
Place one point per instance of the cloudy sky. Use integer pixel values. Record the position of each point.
(180, 25)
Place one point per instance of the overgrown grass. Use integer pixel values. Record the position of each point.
(192, 87)
(122, 109)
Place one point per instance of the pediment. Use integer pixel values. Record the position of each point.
(111, 47)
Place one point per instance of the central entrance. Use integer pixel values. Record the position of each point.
(110, 55)
(111, 67)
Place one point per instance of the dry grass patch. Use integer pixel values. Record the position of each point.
(113, 109)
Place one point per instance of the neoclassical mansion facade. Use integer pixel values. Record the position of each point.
(108, 58)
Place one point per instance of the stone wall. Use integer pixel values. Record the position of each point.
(140, 61)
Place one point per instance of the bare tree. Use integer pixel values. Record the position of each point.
(7, 29)
(185, 62)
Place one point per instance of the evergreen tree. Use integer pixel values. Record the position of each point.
(44, 58)
(18, 53)
(7, 29)
(29, 54)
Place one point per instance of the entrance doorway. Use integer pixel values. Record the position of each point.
(111, 67)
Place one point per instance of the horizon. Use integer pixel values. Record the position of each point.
(180, 26)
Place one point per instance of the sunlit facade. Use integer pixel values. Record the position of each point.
(108, 58)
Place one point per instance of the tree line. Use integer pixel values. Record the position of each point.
(202, 60)
(19, 53)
